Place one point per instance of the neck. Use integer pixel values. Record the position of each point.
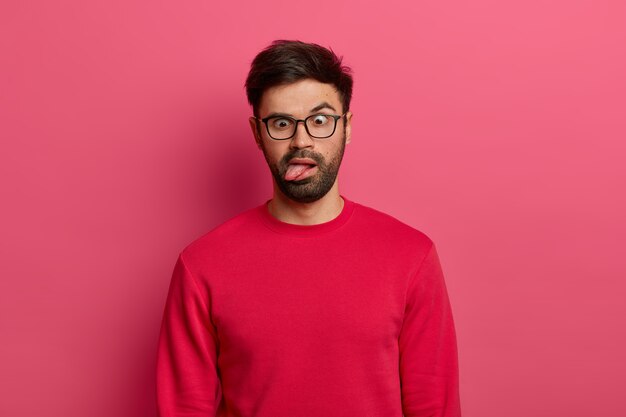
(321, 211)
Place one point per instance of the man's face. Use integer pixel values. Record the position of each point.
(303, 182)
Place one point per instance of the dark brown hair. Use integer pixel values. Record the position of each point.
(285, 62)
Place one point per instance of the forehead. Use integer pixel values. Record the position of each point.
(298, 98)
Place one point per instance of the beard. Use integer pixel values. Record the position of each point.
(316, 186)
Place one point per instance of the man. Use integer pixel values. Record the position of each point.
(309, 305)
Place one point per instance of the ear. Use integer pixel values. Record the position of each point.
(255, 131)
(348, 124)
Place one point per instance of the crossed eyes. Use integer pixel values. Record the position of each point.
(284, 122)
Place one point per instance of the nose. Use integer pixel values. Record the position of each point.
(301, 138)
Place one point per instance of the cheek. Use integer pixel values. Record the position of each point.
(275, 153)
(330, 151)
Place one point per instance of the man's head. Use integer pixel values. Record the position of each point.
(285, 62)
(290, 81)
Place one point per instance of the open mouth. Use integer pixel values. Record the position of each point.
(298, 171)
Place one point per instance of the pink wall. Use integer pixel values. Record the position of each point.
(496, 127)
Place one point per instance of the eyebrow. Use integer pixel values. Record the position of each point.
(322, 105)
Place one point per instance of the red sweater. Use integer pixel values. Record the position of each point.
(346, 318)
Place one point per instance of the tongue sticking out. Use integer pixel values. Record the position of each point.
(296, 170)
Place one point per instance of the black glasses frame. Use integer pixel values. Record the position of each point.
(296, 121)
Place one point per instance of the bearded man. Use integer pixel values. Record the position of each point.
(310, 304)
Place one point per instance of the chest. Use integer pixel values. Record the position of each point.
(268, 307)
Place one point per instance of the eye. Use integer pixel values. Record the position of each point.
(320, 119)
(280, 123)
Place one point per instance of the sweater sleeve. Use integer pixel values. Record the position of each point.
(187, 380)
(427, 346)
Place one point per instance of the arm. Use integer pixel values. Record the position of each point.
(187, 380)
(427, 346)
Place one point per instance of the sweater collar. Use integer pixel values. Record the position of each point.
(306, 230)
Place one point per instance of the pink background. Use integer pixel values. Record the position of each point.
(496, 127)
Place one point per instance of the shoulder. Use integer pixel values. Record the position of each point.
(223, 236)
(387, 226)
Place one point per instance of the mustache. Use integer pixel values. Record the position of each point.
(302, 153)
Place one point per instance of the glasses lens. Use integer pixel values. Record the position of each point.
(280, 127)
(320, 125)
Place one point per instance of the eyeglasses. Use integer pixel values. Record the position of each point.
(320, 126)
